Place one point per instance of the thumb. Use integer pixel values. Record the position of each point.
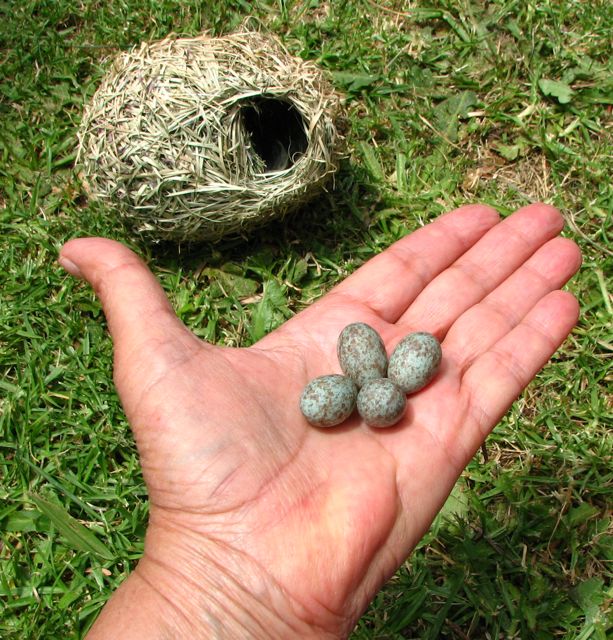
(137, 310)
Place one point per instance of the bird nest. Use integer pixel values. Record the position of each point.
(197, 138)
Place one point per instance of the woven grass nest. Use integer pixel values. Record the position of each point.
(194, 139)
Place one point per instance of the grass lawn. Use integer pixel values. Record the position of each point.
(503, 102)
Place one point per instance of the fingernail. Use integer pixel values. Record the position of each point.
(70, 266)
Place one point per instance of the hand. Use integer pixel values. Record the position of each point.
(263, 526)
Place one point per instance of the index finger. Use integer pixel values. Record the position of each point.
(389, 282)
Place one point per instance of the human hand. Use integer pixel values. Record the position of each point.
(263, 526)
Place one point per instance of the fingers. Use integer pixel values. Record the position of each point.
(497, 377)
(482, 268)
(484, 324)
(392, 280)
(136, 307)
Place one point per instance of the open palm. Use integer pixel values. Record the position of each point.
(298, 527)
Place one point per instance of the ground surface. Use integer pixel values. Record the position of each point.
(448, 102)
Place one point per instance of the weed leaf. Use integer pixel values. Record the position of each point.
(354, 82)
(223, 283)
(372, 162)
(511, 151)
(556, 89)
(21, 521)
(270, 311)
(456, 504)
(590, 596)
(449, 112)
(581, 514)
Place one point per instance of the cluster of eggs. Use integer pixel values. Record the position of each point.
(377, 387)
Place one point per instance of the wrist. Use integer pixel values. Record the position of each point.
(205, 599)
(189, 586)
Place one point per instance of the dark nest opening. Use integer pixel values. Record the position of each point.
(277, 132)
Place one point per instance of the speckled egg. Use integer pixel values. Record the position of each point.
(328, 400)
(381, 403)
(415, 361)
(361, 353)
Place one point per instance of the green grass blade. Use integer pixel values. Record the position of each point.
(76, 535)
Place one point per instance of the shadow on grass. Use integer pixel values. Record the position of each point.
(501, 569)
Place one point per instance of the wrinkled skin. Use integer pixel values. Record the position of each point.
(263, 526)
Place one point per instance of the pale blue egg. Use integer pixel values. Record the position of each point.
(381, 403)
(328, 400)
(361, 353)
(415, 361)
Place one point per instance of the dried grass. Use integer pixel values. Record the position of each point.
(197, 138)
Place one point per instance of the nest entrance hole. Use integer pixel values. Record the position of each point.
(276, 129)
